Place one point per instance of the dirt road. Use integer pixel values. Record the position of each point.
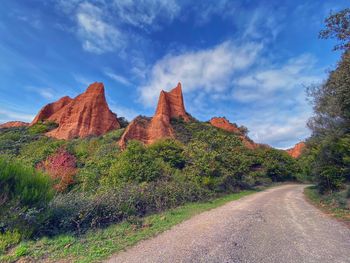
(276, 225)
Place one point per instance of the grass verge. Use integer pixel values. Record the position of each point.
(99, 244)
(329, 204)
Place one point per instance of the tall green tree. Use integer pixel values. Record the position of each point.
(330, 124)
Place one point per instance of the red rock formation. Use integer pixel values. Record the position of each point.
(170, 105)
(48, 110)
(223, 123)
(297, 150)
(12, 124)
(60, 166)
(87, 114)
(247, 142)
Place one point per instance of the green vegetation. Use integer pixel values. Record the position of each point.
(24, 196)
(115, 198)
(326, 159)
(111, 186)
(336, 204)
(98, 244)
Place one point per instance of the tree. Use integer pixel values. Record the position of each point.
(330, 125)
(338, 27)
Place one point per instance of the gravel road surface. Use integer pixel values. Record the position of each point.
(276, 225)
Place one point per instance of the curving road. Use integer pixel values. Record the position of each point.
(276, 225)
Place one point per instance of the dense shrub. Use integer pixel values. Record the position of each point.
(279, 166)
(170, 151)
(42, 127)
(38, 150)
(24, 194)
(135, 164)
(78, 211)
(8, 239)
(61, 167)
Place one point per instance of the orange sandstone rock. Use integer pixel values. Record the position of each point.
(148, 130)
(223, 123)
(171, 104)
(48, 110)
(297, 150)
(12, 124)
(87, 114)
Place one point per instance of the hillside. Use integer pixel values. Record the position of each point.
(94, 173)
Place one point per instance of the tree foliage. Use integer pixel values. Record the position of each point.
(338, 27)
(327, 156)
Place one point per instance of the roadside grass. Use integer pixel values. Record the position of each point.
(99, 244)
(333, 204)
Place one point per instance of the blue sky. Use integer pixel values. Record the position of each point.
(247, 60)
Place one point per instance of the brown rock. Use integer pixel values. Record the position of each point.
(170, 105)
(12, 124)
(48, 110)
(297, 150)
(249, 143)
(87, 114)
(223, 123)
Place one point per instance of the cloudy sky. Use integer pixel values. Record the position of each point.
(248, 60)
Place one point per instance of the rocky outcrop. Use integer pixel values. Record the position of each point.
(148, 130)
(223, 123)
(12, 124)
(87, 114)
(249, 143)
(297, 150)
(171, 104)
(48, 110)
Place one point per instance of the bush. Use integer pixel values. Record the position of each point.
(135, 164)
(42, 127)
(9, 239)
(78, 211)
(170, 151)
(23, 184)
(24, 195)
(36, 151)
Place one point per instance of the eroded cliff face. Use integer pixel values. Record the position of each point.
(48, 110)
(12, 124)
(171, 104)
(297, 150)
(223, 123)
(148, 130)
(87, 114)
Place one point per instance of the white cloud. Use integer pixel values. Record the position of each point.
(46, 93)
(146, 13)
(266, 80)
(280, 129)
(100, 25)
(206, 70)
(261, 23)
(10, 115)
(97, 35)
(118, 78)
